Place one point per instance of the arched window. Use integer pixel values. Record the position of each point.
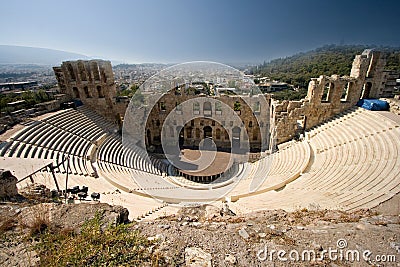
(76, 92)
(256, 107)
(218, 134)
(189, 132)
(82, 71)
(207, 111)
(255, 134)
(71, 72)
(100, 91)
(95, 70)
(218, 108)
(196, 108)
(87, 94)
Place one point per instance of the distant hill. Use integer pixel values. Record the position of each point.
(327, 60)
(10, 54)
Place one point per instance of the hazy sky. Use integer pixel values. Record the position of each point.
(187, 30)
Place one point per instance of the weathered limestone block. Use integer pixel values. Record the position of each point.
(8, 184)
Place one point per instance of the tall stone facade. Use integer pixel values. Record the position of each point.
(238, 121)
(92, 82)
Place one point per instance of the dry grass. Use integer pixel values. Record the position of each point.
(96, 245)
(37, 220)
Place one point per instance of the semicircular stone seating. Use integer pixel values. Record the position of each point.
(355, 163)
(349, 162)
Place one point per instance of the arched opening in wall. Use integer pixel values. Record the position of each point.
(103, 75)
(95, 70)
(207, 130)
(71, 72)
(181, 136)
(82, 71)
(328, 90)
(76, 92)
(256, 107)
(196, 108)
(236, 137)
(255, 134)
(218, 108)
(148, 137)
(100, 91)
(366, 90)
(218, 134)
(86, 90)
(189, 132)
(207, 111)
(345, 92)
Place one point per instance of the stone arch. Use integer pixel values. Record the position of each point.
(207, 132)
(100, 91)
(82, 71)
(366, 90)
(76, 92)
(255, 134)
(236, 137)
(86, 90)
(71, 72)
(218, 134)
(218, 108)
(189, 132)
(95, 70)
(196, 108)
(207, 110)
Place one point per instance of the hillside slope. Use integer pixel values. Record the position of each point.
(10, 54)
(327, 60)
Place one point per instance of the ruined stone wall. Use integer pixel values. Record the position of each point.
(92, 82)
(328, 96)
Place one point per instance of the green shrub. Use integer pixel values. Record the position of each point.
(95, 245)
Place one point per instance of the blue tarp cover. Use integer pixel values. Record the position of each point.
(373, 104)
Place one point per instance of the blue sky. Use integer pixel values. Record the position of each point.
(187, 30)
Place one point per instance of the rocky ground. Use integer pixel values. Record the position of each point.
(208, 236)
(251, 240)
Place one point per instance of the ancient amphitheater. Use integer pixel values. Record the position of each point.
(346, 157)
